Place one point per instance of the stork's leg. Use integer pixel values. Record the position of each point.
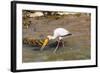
(57, 46)
(63, 44)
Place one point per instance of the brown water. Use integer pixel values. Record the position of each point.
(77, 46)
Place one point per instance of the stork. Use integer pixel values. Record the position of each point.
(59, 33)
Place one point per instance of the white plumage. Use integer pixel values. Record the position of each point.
(59, 33)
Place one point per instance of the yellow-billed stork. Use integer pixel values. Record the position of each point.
(59, 33)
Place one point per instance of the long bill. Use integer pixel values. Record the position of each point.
(45, 43)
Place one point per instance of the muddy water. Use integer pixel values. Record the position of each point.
(77, 46)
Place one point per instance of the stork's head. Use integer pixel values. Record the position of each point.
(50, 37)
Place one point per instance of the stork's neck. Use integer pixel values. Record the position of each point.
(53, 37)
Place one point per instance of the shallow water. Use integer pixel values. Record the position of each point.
(77, 46)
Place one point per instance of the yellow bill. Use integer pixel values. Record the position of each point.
(45, 43)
